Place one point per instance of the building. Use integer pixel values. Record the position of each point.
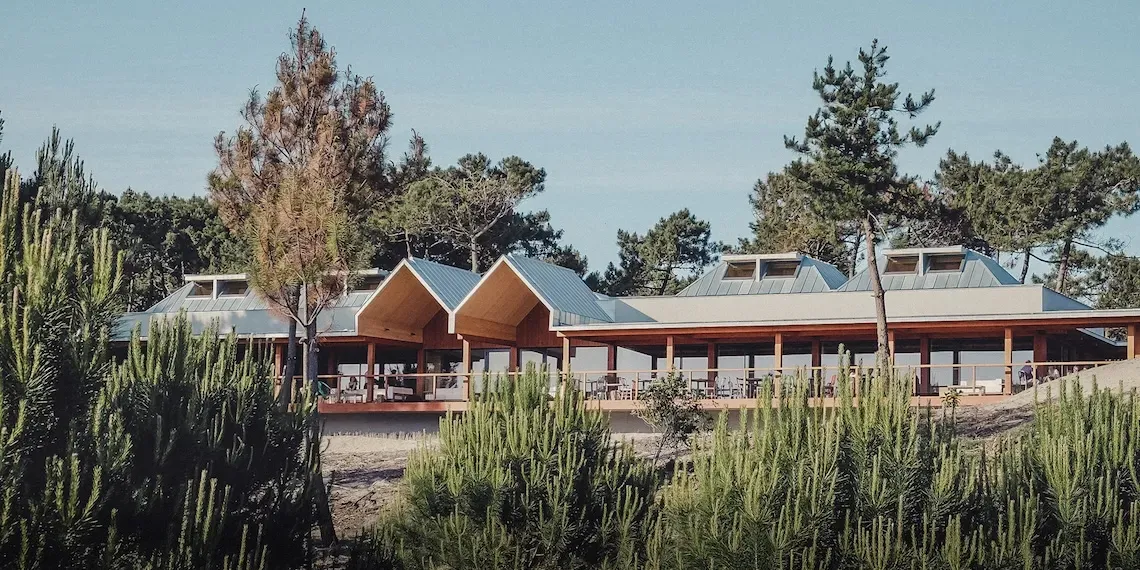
(422, 337)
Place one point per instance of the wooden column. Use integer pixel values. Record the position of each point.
(611, 357)
(816, 355)
(1132, 341)
(466, 369)
(778, 352)
(421, 368)
(513, 362)
(712, 365)
(278, 360)
(669, 351)
(370, 373)
(279, 383)
(778, 363)
(891, 346)
(566, 356)
(1008, 388)
(1040, 354)
(924, 365)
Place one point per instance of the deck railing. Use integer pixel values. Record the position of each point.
(709, 383)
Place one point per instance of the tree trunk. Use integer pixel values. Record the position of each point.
(882, 357)
(311, 357)
(320, 493)
(854, 262)
(474, 246)
(288, 382)
(1063, 268)
(1025, 266)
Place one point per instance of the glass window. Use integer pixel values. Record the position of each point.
(201, 288)
(589, 358)
(902, 264)
(443, 361)
(235, 287)
(952, 262)
(367, 282)
(740, 270)
(781, 268)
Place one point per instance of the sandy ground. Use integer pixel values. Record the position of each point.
(365, 470)
(993, 419)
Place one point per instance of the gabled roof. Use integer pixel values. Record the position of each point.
(449, 284)
(812, 276)
(977, 271)
(560, 289)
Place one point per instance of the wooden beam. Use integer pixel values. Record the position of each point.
(816, 353)
(370, 373)
(513, 359)
(1008, 388)
(389, 333)
(611, 357)
(1132, 349)
(669, 351)
(475, 326)
(891, 346)
(466, 369)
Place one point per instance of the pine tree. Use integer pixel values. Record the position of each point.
(850, 146)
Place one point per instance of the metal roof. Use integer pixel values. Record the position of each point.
(247, 314)
(450, 284)
(569, 299)
(977, 271)
(812, 276)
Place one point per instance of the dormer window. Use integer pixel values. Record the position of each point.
(781, 268)
(201, 289)
(946, 262)
(367, 282)
(740, 270)
(902, 264)
(233, 288)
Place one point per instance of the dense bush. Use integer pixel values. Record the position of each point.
(869, 484)
(881, 485)
(173, 458)
(521, 481)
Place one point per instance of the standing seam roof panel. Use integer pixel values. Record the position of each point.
(450, 284)
(560, 287)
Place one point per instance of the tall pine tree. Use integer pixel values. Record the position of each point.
(849, 153)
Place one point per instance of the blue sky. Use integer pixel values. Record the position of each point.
(635, 109)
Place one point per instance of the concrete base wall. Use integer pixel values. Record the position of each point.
(387, 423)
(397, 423)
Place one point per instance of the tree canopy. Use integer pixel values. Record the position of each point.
(664, 260)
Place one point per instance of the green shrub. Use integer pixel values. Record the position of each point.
(521, 481)
(174, 458)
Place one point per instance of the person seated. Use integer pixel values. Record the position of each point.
(1025, 375)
